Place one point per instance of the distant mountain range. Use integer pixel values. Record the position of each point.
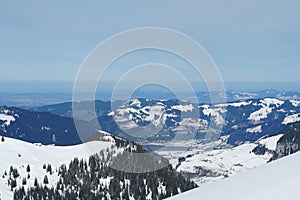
(243, 121)
(84, 109)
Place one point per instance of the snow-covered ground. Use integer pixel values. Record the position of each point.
(291, 119)
(274, 181)
(216, 113)
(19, 154)
(7, 119)
(206, 165)
(267, 106)
(256, 129)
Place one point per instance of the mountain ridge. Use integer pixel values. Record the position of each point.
(42, 127)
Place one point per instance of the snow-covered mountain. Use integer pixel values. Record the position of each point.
(19, 155)
(248, 118)
(243, 121)
(275, 181)
(85, 171)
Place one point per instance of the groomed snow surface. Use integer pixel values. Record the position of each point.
(274, 181)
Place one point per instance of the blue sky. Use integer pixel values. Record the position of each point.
(251, 41)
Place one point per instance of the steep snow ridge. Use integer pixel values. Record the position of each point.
(19, 154)
(291, 119)
(267, 104)
(277, 180)
(256, 129)
(7, 118)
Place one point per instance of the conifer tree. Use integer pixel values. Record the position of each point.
(46, 181)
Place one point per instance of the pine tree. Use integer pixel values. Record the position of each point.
(24, 182)
(11, 170)
(49, 169)
(13, 184)
(46, 181)
(28, 168)
(35, 182)
(15, 173)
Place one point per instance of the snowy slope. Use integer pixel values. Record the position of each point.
(19, 154)
(204, 166)
(45, 128)
(275, 181)
(291, 119)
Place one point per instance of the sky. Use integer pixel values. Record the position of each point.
(255, 41)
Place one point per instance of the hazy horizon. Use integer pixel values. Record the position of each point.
(67, 86)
